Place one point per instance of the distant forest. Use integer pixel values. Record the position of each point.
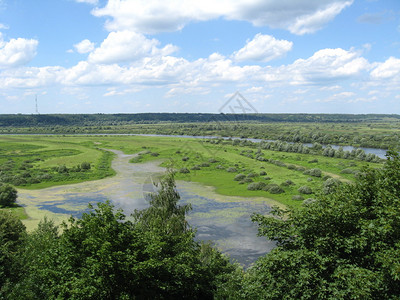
(21, 120)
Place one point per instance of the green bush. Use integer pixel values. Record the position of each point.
(8, 195)
(184, 170)
(276, 190)
(252, 175)
(256, 186)
(305, 190)
(313, 172)
(239, 177)
(287, 183)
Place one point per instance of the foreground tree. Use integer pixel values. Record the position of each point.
(12, 233)
(346, 245)
(104, 256)
(8, 195)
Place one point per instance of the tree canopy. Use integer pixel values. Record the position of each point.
(105, 256)
(8, 195)
(345, 245)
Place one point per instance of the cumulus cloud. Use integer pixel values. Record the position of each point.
(326, 65)
(299, 17)
(386, 70)
(263, 48)
(127, 46)
(16, 52)
(84, 46)
(178, 74)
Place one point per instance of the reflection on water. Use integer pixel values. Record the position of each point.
(228, 225)
(223, 220)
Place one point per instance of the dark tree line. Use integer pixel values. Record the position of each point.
(21, 120)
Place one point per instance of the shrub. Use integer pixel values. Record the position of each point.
(331, 185)
(273, 188)
(297, 197)
(262, 173)
(18, 181)
(87, 166)
(155, 154)
(212, 160)
(239, 177)
(348, 171)
(276, 190)
(313, 172)
(62, 169)
(287, 183)
(231, 170)
(256, 186)
(267, 178)
(184, 170)
(313, 161)
(252, 175)
(309, 201)
(8, 195)
(185, 158)
(305, 190)
(196, 167)
(204, 164)
(291, 167)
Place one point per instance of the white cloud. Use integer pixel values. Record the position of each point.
(180, 76)
(84, 46)
(344, 94)
(263, 48)
(302, 16)
(254, 89)
(127, 46)
(2, 26)
(29, 77)
(386, 70)
(93, 2)
(16, 52)
(315, 20)
(326, 65)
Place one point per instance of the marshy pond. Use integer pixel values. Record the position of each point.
(224, 220)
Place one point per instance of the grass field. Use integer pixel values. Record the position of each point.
(38, 161)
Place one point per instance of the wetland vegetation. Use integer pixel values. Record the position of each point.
(332, 210)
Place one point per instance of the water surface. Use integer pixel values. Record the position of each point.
(225, 220)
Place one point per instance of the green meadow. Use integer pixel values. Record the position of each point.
(39, 161)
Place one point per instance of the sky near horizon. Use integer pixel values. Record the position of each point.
(130, 56)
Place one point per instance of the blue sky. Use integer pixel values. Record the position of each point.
(128, 56)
